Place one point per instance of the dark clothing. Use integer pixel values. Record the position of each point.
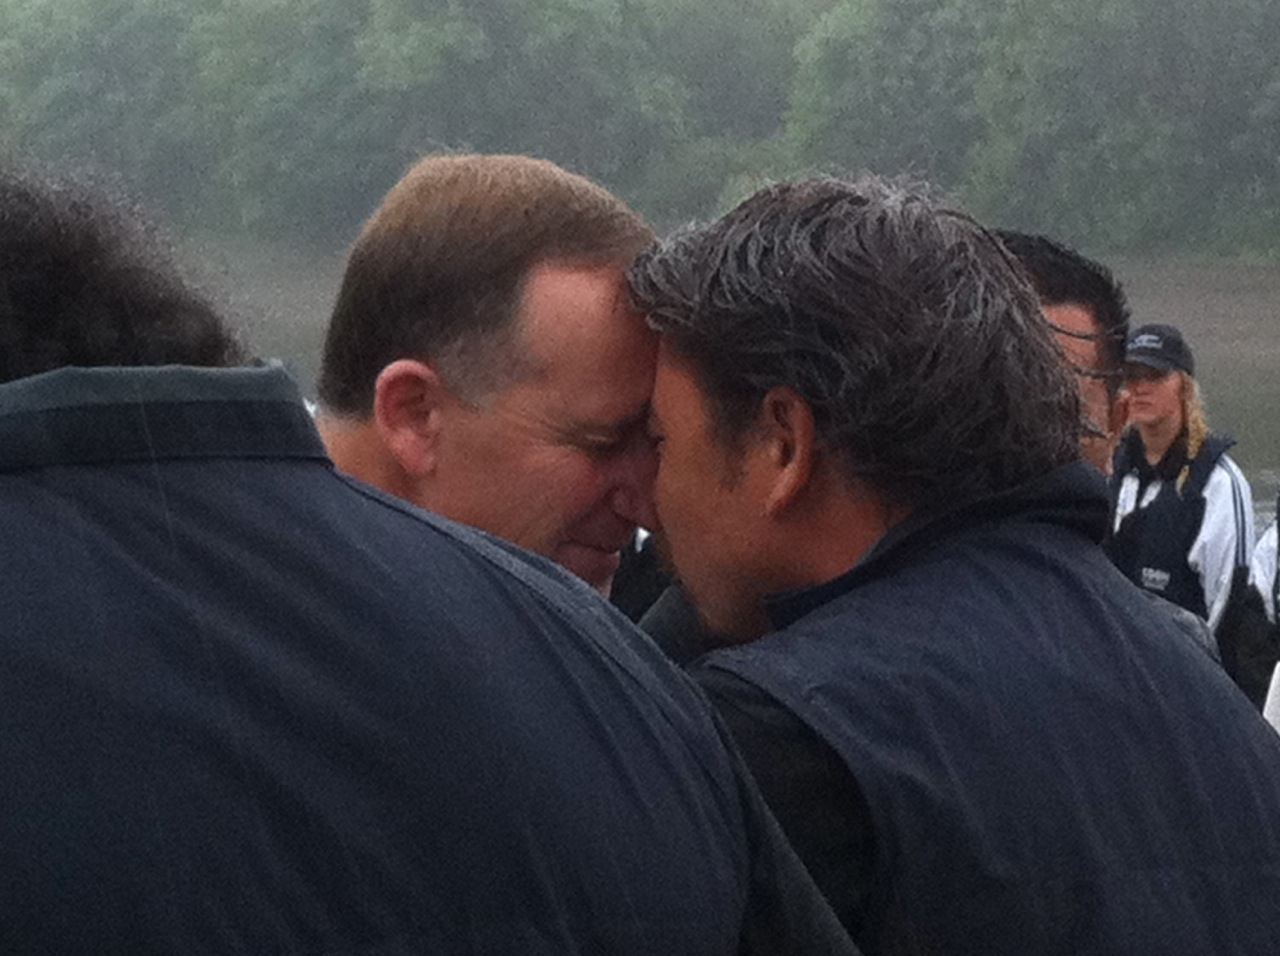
(809, 787)
(1151, 543)
(248, 705)
(1167, 539)
(1028, 762)
(640, 580)
(1249, 640)
(674, 625)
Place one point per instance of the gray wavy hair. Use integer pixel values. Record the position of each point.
(906, 327)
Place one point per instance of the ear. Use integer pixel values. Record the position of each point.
(786, 437)
(406, 414)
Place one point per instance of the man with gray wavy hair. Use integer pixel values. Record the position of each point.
(871, 488)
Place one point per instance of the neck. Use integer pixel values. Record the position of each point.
(816, 537)
(819, 550)
(357, 450)
(1157, 438)
(832, 538)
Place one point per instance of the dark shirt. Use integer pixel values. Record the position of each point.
(249, 705)
(642, 577)
(673, 623)
(809, 789)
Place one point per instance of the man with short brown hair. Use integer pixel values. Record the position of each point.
(483, 361)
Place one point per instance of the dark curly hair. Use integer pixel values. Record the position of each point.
(85, 280)
(906, 327)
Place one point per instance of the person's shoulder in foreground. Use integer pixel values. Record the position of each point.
(252, 705)
(981, 737)
(294, 711)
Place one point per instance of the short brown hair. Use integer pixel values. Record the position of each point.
(438, 270)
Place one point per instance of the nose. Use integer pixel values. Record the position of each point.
(631, 496)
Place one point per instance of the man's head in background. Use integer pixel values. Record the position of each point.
(837, 355)
(85, 280)
(1086, 307)
(483, 360)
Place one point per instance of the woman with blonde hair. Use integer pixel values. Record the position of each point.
(1182, 511)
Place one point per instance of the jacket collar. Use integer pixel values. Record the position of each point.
(1166, 469)
(84, 415)
(1073, 496)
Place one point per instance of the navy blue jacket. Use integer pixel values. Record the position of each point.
(248, 705)
(1024, 758)
(1151, 544)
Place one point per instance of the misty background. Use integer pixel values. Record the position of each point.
(262, 132)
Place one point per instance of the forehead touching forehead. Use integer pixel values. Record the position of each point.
(588, 351)
(438, 271)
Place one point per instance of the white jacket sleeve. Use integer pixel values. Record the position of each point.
(1262, 574)
(1262, 570)
(1226, 538)
(1271, 709)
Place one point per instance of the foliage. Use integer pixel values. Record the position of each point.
(1125, 124)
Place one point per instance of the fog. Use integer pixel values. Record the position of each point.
(1145, 132)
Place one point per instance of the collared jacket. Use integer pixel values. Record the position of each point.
(1265, 581)
(248, 705)
(1182, 528)
(1013, 752)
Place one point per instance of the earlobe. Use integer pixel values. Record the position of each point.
(406, 414)
(789, 436)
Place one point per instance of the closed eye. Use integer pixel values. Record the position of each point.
(603, 448)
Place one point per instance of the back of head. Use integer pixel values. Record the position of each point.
(85, 281)
(1062, 276)
(438, 270)
(906, 327)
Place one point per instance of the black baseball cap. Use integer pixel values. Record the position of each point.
(1160, 346)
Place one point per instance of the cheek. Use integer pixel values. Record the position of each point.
(672, 492)
(1161, 400)
(692, 515)
(578, 491)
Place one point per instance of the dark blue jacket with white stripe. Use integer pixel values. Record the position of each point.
(1182, 528)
